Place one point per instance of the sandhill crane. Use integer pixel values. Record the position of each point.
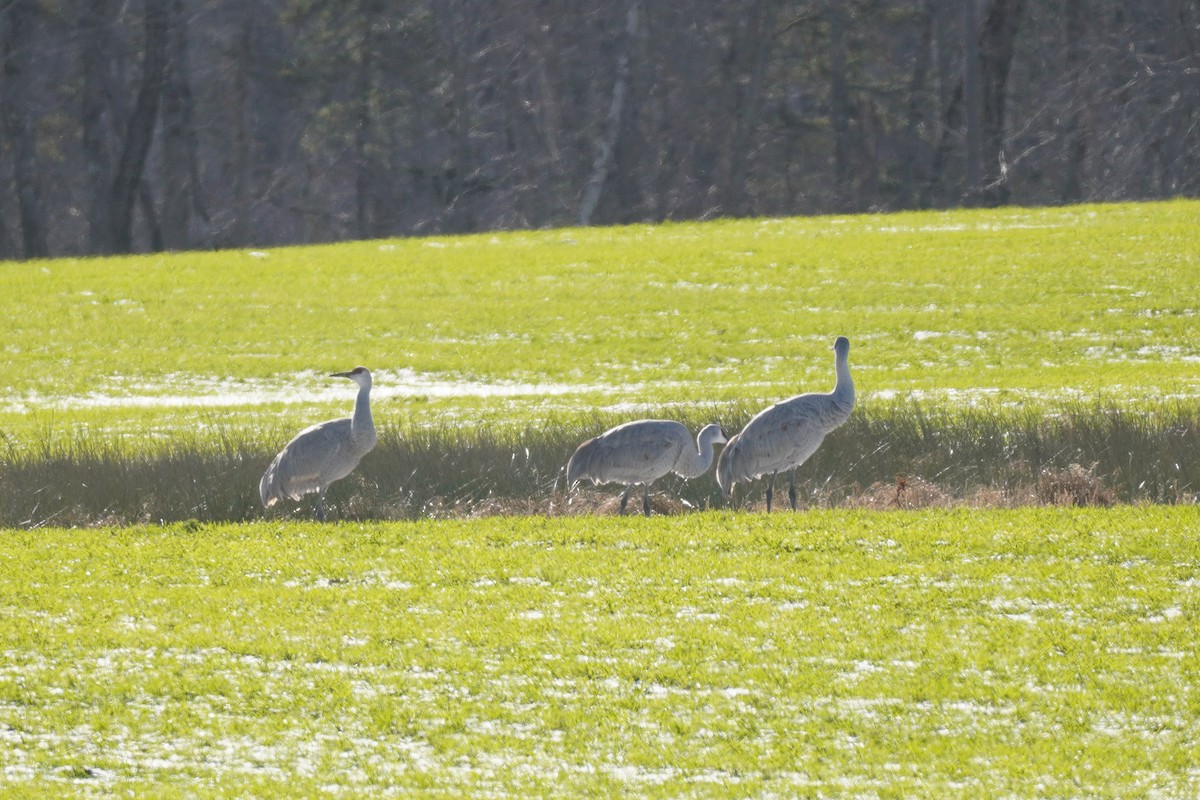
(783, 436)
(642, 452)
(323, 453)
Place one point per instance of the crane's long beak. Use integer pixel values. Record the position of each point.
(339, 374)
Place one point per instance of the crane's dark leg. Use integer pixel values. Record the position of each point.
(646, 501)
(770, 491)
(792, 490)
(321, 505)
(625, 497)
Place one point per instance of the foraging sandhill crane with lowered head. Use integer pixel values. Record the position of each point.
(323, 453)
(783, 436)
(642, 452)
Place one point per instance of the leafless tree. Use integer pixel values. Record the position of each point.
(16, 55)
(133, 125)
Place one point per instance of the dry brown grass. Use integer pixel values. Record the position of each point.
(904, 493)
(1073, 486)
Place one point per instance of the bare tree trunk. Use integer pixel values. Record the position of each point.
(839, 105)
(612, 122)
(141, 125)
(912, 157)
(1074, 130)
(19, 128)
(972, 97)
(997, 40)
(363, 163)
(759, 39)
(154, 232)
(241, 134)
(978, 102)
(96, 34)
(943, 31)
(450, 176)
(113, 193)
(185, 217)
(8, 249)
(179, 157)
(950, 104)
(201, 231)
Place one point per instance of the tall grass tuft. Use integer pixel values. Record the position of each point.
(897, 454)
(90, 479)
(1151, 456)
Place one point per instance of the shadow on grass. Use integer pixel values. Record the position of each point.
(886, 456)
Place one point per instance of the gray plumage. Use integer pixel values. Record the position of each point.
(323, 453)
(783, 436)
(642, 452)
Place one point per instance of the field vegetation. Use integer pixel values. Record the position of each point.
(939, 653)
(992, 590)
(885, 458)
(1002, 306)
(991, 349)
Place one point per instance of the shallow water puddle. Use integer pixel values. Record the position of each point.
(187, 391)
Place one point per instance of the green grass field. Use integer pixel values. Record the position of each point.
(1021, 653)
(1007, 306)
(988, 348)
(465, 632)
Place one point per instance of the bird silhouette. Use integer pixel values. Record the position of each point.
(783, 436)
(642, 452)
(323, 453)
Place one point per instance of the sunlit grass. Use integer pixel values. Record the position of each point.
(935, 654)
(888, 455)
(987, 346)
(1010, 306)
(1003, 358)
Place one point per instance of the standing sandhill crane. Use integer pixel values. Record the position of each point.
(783, 436)
(323, 453)
(642, 452)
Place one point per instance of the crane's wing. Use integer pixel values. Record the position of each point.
(636, 452)
(780, 437)
(316, 457)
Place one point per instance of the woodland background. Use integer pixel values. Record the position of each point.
(143, 125)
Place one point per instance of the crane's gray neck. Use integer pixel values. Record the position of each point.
(701, 460)
(843, 390)
(362, 426)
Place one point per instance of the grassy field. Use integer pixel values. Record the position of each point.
(1006, 306)
(883, 458)
(953, 615)
(1024, 653)
(990, 348)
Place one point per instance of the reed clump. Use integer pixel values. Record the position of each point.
(888, 456)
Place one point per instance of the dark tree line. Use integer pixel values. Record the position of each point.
(134, 125)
